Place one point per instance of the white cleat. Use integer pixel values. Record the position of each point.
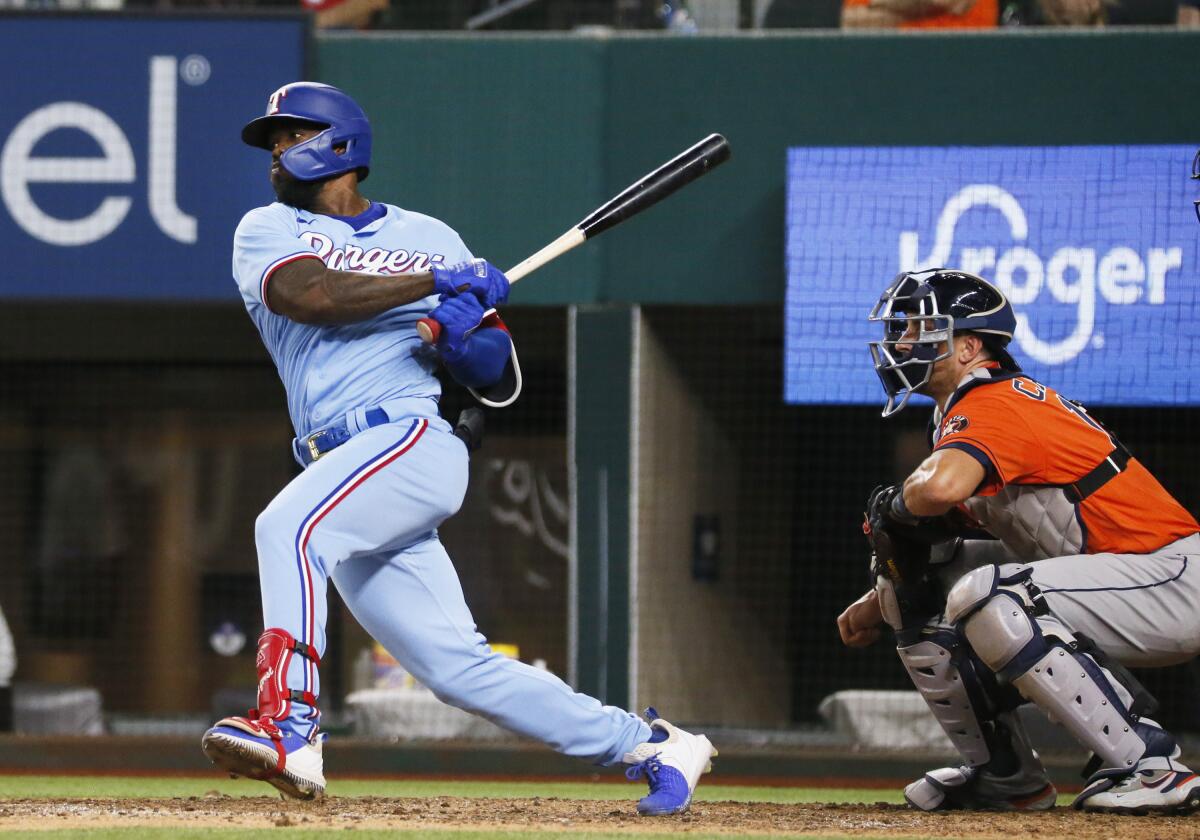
(672, 767)
(1156, 785)
(260, 750)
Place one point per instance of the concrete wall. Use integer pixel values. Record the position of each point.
(702, 652)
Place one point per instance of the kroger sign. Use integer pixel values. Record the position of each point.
(121, 170)
(1096, 247)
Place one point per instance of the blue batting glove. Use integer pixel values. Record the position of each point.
(459, 316)
(477, 277)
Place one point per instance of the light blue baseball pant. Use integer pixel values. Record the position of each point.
(366, 515)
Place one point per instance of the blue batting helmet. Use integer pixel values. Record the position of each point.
(920, 312)
(344, 122)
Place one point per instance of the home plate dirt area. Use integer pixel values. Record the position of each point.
(537, 814)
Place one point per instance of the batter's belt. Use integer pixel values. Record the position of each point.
(313, 446)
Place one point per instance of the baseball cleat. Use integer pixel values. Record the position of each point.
(971, 789)
(258, 749)
(672, 767)
(1156, 785)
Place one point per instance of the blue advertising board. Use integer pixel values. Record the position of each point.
(122, 174)
(1096, 247)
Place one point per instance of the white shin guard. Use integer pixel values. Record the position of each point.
(936, 677)
(1065, 685)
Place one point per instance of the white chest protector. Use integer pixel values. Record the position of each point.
(1034, 522)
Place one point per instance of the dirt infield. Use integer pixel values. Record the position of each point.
(557, 815)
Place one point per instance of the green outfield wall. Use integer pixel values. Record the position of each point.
(513, 139)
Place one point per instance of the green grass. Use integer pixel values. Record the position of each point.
(120, 787)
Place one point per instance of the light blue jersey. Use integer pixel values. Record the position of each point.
(328, 371)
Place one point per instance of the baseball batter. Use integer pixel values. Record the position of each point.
(335, 284)
(1093, 566)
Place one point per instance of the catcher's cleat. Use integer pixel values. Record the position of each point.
(971, 789)
(258, 749)
(672, 767)
(1156, 785)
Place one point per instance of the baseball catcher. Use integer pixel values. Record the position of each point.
(1029, 558)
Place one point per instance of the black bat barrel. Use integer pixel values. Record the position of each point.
(710, 152)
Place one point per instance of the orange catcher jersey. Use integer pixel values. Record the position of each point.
(1042, 453)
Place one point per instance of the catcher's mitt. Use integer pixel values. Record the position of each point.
(898, 550)
(901, 546)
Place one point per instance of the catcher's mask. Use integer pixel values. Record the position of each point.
(936, 304)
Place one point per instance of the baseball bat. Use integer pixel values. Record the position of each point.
(647, 191)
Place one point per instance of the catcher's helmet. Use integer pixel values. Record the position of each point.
(319, 105)
(939, 303)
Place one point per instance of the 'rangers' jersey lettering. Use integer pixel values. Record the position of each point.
(1032, 442)
(330, 370)
(372, 260)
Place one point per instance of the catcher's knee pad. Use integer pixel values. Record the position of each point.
(999, 631)
(978, 586)
(970, 592)
(949, 687)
